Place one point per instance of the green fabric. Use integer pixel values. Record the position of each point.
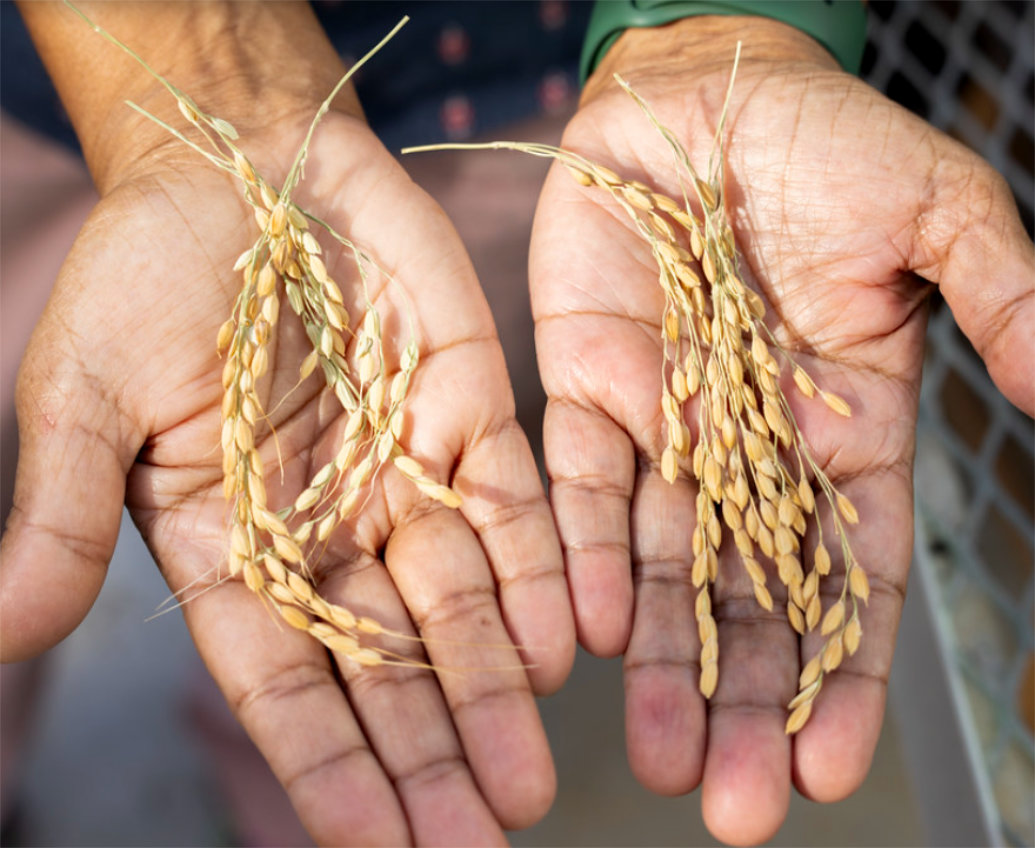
(839, 25)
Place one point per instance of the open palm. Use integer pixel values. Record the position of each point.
(119, 400)
(840, 201)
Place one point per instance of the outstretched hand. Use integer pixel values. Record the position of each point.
(846, 208)
(119, 400)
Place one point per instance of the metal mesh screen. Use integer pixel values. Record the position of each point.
(967, 67)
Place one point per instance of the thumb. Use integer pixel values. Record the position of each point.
(969, 239)
(69, 488)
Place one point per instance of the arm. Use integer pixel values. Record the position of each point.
(119, 401)
(231, 56)
(845, 208)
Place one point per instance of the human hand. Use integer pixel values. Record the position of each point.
(119, 400)
(843, 205)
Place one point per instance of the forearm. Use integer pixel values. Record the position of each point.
(702, 44)
(249, 63)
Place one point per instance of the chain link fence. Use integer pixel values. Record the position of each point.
(965, 674)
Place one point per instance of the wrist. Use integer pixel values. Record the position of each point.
(256, 65)
(704, 44)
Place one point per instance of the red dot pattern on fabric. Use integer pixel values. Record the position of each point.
(457, 116)
(454, 45)
(555, 92)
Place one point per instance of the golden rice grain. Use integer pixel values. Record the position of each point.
(832, 654)
(796, 618)
(762, 596)
(852, 635)
(809, 674)
(833, 619)
(847, 509)
(821, 560)
(798, 718)
(669, 464)
(342, 644)
(709, 679)
(858, 584)
(804, 382)
(837, 403)
(366, 656)
(294, 616)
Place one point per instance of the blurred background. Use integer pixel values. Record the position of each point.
(118, 738)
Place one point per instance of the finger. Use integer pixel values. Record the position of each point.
(440, 570)
(281, 688)
(664, 710)
(969, 238)
(462, 389)
(75, 448)
(505, 504)
(460, 406)
(407, 720)
(591, 466)
(747, 773)
(833, 752)
(441, 289)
